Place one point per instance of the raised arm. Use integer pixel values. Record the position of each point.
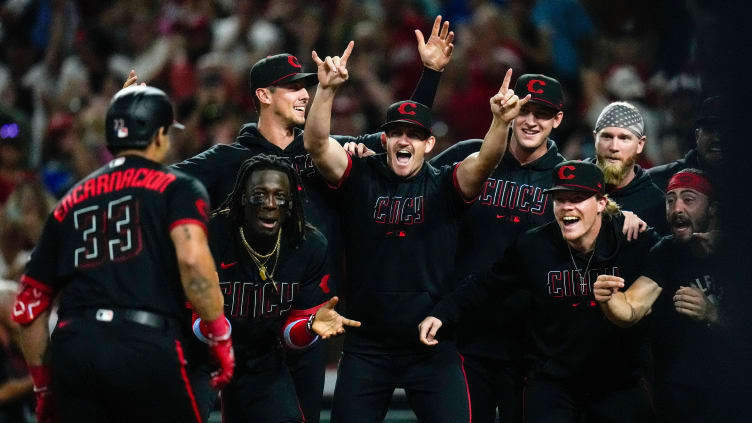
(625, 308)
(327, 154)
(477, 167)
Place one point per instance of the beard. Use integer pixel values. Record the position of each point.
(614, 173)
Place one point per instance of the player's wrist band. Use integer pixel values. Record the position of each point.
(309, 323)
(203, 338)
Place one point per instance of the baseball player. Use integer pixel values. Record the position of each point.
(680, 285)
(124, 249)
(271, 271)
(569, 342)
(400, 218)
(708, 156)
(279, 90)
(511, 202)
(619, 137)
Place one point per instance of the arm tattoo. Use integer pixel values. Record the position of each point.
(198, 285)
(187, 233)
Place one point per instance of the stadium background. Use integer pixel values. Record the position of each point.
(61, 61)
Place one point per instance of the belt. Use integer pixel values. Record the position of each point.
(140, 317)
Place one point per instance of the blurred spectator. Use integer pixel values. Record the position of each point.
(571, 30)
(21, 221)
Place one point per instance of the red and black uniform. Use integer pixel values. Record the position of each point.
(690, 380)
(263, 317)
(107, 249)
(400, 243)
(217, 167)
(578, 363)
(511, 202)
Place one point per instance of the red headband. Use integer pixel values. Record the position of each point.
(692, 181)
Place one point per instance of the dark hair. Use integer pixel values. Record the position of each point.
(295, 225)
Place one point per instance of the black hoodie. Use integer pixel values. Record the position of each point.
(643, 198)
(511, 202)
(217, 167)
(663, 173)
(569, 338)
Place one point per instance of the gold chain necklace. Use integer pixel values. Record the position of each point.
(257, 257)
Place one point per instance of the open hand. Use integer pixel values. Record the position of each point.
(329, 323)
(437, 51)
(505, 105)
(332, 71)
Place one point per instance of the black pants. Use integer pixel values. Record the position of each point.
(120, 372)
(308, 368)
(555, 401)
(261, 391)
(494, 384)
(434, 382)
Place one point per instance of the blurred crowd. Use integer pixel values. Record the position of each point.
(61, 61)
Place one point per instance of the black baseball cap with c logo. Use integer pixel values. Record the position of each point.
(575, 175)
(543, 90)
(411, 112)
(279, 69)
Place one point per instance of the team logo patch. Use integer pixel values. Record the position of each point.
(120, 129)
(293, 61)
(568, 176)
(531, 86)
(403, 108)
(202, 208)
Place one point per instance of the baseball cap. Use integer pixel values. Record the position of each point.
(575, 175)
(710, 111)
(543, 90)
(279, 69)
(408, 112)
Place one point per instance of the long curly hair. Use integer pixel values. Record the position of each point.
(295, 226)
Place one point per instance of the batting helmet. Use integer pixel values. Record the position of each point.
(136, 113)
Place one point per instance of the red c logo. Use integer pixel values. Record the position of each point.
(403, 108)
(292, 60)
(563, 176)
(531, 86)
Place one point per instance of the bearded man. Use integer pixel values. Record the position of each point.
(680, 285)
(619, 137)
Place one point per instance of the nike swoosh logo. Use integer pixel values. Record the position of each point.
(576, 304)
(224, 265)
(500, 216)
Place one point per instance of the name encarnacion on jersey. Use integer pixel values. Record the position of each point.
(150, 179)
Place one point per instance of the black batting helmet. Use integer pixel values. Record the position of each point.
(136, 113)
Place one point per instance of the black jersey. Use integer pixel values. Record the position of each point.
(256, 308)
(660, 175)
(679, 342)
(218, 166)
(107, 243)
(643, 198)
(510, 202)
(400, 241)
(568, 335)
